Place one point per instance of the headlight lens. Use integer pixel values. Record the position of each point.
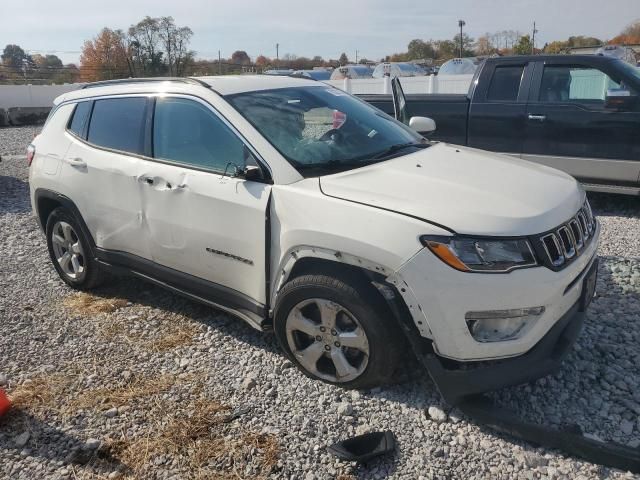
(481, 255)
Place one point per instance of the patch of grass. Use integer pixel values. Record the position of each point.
(119, 395)
(39, 392)
(87, 304)
(202, 443)
(173, 331)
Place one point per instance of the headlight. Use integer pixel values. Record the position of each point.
(481, 255)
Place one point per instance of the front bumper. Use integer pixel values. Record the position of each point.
(438, 298)
(544, 358)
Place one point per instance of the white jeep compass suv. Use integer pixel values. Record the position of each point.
(300, 208)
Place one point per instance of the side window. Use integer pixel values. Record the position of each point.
(118, 123)
(505, 83)
(567, 83)
(79, 118)
(184, 131)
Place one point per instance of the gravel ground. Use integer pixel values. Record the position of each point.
(133, 381)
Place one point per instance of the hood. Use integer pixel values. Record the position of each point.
(469, 191)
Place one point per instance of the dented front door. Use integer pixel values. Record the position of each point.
(206, 224)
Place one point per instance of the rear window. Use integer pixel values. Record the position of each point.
(118, 123)
(79, 118)
(505, 83)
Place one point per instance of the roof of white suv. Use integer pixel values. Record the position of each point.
(224, 85)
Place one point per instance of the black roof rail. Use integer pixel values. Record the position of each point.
(125, 81)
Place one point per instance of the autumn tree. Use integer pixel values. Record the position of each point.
(484, 46)
(419, 49)
(14, 56)
(175, 41)
(240, 57)
(104, 57)
(524, 46)
(262, 61)
(467, 45)
(629, 36)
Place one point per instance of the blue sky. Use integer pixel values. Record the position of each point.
(327, 27)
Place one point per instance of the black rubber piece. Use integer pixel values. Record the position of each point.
(364, 447)
(482, 410)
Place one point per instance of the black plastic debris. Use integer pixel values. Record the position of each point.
(364, 447)
(571, 440)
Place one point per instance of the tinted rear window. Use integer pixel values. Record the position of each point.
(80, 115)
(118, 123)
(505, 83)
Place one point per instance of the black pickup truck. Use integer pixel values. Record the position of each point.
(577, 113)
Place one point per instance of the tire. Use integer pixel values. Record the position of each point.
(71, 252)
(361, 320)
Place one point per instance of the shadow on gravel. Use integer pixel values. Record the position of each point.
(14, 195)
(27, 435)
(607, 205)
(144, 293)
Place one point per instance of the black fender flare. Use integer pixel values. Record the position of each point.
(66, 202)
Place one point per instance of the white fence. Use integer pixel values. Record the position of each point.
(32, 96)
(41, 96)
(428, 84)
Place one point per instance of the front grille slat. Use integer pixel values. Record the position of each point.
(567, 241)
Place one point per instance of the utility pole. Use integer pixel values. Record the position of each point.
(356, 57)
(533, 39)
(219, 63)
(461, 23)
(24, 69)
(277, 52)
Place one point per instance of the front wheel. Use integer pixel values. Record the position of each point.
(340, 333)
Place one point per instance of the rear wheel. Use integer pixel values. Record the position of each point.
(340, 333)
(70, 251)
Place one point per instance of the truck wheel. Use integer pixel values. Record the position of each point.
(70, 251)
(339, 333)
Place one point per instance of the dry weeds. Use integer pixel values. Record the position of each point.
(120, 395)
(200, 441)
(87, 304)
(41, 392)
(172, 332)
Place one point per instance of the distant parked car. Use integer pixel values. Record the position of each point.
(458, 66)
(352, 71)
(399, 69)
(281, 71)
(314, 74)
(625, 54)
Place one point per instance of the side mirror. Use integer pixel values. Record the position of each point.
(422, 124)
(620, 99)
(252, 173)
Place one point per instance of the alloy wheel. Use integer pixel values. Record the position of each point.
(68, 250)
(327, 340)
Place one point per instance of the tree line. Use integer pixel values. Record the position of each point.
(159, 47)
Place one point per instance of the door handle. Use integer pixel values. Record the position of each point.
(146, 179)
(538, 118)
(76, 162)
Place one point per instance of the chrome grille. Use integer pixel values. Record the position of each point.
(568, 240)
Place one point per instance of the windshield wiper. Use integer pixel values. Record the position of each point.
(397, 147)
(333, 165)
